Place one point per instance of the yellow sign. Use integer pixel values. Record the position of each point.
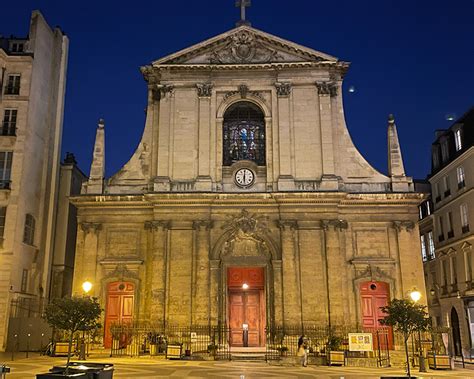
(360, 342)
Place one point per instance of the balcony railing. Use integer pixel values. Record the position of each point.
(447, 193)
(8, 129)
(465, 228)
(438, 199)
(451, 234)
(441, 238)
(461, 184)
(5, 184)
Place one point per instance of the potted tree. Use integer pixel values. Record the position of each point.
(153, 340)
(336, 355)
(73, 315)
(406, 317)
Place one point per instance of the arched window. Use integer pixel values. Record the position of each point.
(244, 134)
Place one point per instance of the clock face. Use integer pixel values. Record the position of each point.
(244, 177)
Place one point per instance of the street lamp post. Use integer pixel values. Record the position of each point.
(86, 287)
(415, 295)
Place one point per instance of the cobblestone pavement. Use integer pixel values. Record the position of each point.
(147, 367)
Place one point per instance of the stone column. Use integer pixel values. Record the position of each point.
(326, 90)
(89, 257)
(156, 270)
(200, 277)
(291, 275)
(204, 91)
(277, 292)
(214, 277)
(162, 180)
(335, 279)
(410, 264)
(285, 178)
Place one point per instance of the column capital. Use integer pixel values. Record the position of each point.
(283, 89)
(400, 225)
(163, 89)
(287, 224)
(204, 89)
(203, 224)
(327, 88)
(338, 224)
(157, 224)
(88, 227)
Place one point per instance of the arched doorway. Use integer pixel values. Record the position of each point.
(243, 134)
(456, 332)
(119, 307)
(374, 295)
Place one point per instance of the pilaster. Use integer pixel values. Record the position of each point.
(200, 277)
(292, 314)
(285, 178)
(203, 182)
(326, 90)
(91, 231)
(214, 277)
(157, 269)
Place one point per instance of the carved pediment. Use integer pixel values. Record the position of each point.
(244, 45)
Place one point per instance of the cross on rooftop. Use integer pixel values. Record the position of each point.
(242, 4)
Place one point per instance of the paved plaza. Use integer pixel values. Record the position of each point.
(147, 367)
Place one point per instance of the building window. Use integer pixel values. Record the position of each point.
(447, 190)
(445, 275)
(3, 213)
(464, 218)
(13, 85)
(436, 192)
(9, 122)
(431, 246)
(244, 134)
(29, 231)
(449, 219)
(468, 264)
(17, 47)
(454, 276)
(441, 229)
(24, 281)
(461, 177)
(5, 168)
(428, 208)
(458, 139)
(423, 249)
(444, 151)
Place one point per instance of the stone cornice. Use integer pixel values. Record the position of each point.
(341, 199)
(343, 66)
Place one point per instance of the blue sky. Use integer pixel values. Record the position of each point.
(412, 58)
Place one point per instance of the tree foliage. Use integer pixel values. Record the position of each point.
(74, 313)
(406, 316)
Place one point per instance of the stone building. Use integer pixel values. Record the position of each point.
(32, 88)
(246, 201)
(446, 236)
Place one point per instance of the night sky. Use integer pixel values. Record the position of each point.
(412, 58)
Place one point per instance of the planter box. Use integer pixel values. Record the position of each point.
(153, 349)
(336, 358)
(51, 375)
(439, 361)
(90, 369)
(60, 349)
(174, 351)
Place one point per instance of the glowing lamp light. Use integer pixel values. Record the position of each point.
(86, 286)
(415, 295)
(245, 286)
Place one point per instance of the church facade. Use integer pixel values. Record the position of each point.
(246, 202)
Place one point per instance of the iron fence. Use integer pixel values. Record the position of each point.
(197, 342)
(282, 341)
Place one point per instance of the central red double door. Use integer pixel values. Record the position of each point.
(246, 305)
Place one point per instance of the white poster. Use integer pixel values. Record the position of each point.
(360, 342)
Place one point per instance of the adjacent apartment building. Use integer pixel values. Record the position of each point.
(446, 233)
(32, 88)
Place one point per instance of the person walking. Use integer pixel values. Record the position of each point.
(302, 350)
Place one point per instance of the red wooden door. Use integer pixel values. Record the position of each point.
(119, 308)
(246, 304)
(373, 296)
(244, 307)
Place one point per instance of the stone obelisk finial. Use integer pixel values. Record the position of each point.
(396, 169)
(95, 184)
